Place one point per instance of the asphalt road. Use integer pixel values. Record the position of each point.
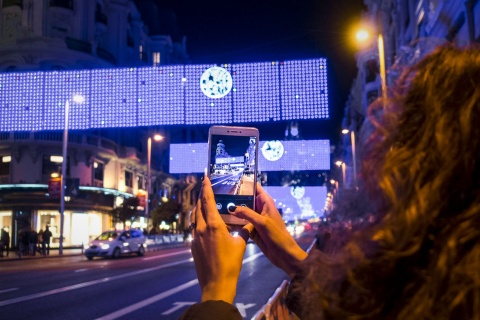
(225, 184)
(160, 285)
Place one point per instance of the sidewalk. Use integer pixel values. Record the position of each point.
(68, 252)
(54, 252)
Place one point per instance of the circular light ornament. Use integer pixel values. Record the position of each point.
(297, 192)
(273, 150)
(216, 82)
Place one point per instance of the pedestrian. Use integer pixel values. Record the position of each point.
(418, 259)
(23, 241)
(5, 239)
(40, 242)
(32, 242)
(47, 234)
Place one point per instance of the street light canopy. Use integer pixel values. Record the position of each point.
(157, 137)
(345, 131)
(78, 98)
(362, 35)
(338, 163)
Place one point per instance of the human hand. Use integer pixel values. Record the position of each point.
(271, 233)
(217, 254)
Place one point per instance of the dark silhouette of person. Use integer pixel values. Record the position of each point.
(32, 242)
(5, 240)
(47, 235)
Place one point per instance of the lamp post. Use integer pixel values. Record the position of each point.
(156, 137)
(363, 35)
(342, 165)
(77, 99)
(354, 159)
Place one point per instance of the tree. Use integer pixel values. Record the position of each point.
(166, 211)
(127, 211)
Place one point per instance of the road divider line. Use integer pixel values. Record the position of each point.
(89, 283)
(163, 295)
(149, 301)
(8, 290)
(167, 255)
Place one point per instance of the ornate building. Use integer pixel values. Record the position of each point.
(410, 29)
(102, 167)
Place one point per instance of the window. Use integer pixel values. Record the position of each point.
(371, 70)
(140, 182)
(98, 171)
(128, 179)
(51, 164)
(67, 4)
(9, 3)
(5, 166)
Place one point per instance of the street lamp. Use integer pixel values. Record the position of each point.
(342, 165)
(76, 99)
(157, 138)
(354, 159)
(362, 36)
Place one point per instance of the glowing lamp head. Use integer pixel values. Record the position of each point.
(338, 163)
(78, 98)
(157, 137)
(362, 35)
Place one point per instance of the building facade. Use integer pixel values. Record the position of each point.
(102, 170)
(410, 29)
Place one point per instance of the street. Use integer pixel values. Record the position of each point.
(162, 284)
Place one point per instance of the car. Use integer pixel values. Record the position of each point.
(113, 244)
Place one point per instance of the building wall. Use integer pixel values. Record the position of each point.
(408, 27)
(88, 34)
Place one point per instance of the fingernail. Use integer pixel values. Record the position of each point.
(232, 208)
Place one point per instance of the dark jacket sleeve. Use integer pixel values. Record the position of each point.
(212, 309)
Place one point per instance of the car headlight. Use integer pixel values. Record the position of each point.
(105, 246)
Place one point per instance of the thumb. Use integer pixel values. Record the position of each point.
(246, 213)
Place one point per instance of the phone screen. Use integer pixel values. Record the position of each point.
(233, 170)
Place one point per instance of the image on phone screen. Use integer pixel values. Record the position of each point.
(232, 170)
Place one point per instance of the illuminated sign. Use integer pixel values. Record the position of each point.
(164, 95)
(298, 155)
(304, 203)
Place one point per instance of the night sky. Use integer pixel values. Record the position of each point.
(232, 31)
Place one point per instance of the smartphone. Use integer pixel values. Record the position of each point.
(232, 168)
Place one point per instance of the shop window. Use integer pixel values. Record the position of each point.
(128, 179)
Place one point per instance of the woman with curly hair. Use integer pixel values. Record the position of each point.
(420, 259)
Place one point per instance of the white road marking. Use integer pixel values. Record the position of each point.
(167, 255)
(243, 307)
(177, 306)
(144, 303)
(8, 290)
(81, 270)
(89, 283)
(163, 295)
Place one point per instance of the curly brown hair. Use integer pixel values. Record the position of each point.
(422, 259)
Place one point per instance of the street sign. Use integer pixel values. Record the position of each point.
(54, 187)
